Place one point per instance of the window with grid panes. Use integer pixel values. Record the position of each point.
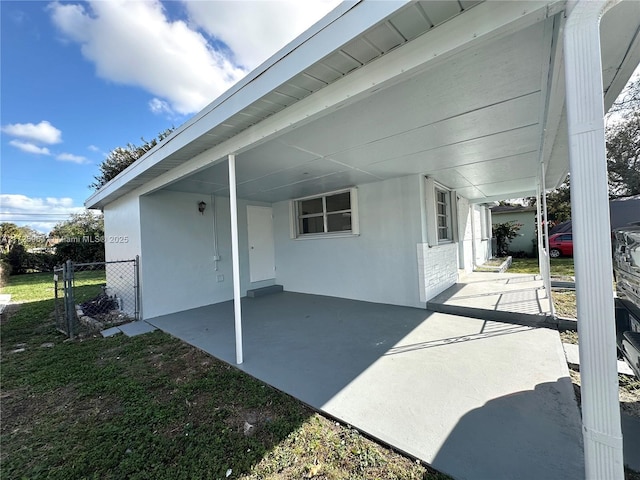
(324, 214)
(443, 212)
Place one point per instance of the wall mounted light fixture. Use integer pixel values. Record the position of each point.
(201, 207)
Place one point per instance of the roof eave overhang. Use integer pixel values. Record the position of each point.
(346, 21)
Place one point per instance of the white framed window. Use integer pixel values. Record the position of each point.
(443, 215)
(328, 214)
(440, 217)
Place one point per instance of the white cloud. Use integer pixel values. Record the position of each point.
(43, 132)
(39, 213)
(133, 43)
(255, 30)
(93, 148)
(158, 106)
(70, 157)
(30, 147)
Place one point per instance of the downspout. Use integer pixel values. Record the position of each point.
(235, 257)
(592, 241)
(216, 250)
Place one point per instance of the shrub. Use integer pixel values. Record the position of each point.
(504, 233)
(5, 271)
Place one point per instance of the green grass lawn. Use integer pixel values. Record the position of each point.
(563, 301)
(152, 407)
(560, 267)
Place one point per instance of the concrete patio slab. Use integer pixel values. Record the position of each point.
(506, 297)
(136, 328)
(475, 399)
(110, 332)
(572, 352)
(130, 329)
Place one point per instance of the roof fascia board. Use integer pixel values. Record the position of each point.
(555, 96)
(486, 21)
(341, 25)
(497, 198)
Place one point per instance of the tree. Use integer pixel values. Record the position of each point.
(623, 156)
(628, 100)
(504, 233)
(122, 157)
(80, 225)
(82, 238)
(12, 235)
(15, 249)
(558, 202)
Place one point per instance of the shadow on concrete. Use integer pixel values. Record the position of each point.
(405, 376)
(309, 346)
(515, 426)
(495, 329)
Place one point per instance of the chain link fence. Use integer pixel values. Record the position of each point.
(94, 296)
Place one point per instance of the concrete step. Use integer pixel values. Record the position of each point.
(518, 318)
(259, 292)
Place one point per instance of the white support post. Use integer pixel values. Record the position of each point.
(233, 201)
(592, 241)
(474, 253)
(546, 278)
(541, 253)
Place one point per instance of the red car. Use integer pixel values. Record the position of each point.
(561, 244)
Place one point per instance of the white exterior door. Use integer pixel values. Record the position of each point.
(262, 263)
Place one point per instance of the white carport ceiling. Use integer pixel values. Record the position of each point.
(478, 119)
(473, 123)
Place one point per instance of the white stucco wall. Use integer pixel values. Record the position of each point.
(177, 265)
(465, 247)
(379, 265)
(386, 263)
(122, 242)
(122, 228)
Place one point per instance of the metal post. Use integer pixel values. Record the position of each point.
(541, 263)
(592, 242)
(546, 279)
(136, 288)
(70, 303)
(472, 209)
(233, 200)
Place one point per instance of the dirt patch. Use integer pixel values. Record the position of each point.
(23, 410)
(629, 391)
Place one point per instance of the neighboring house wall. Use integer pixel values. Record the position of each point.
(379, 265)
(178, 267)
(526, 234)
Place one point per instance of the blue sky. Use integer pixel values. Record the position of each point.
(82, 78)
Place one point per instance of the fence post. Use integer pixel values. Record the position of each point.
(136, 288)
(65, 303)
(70, 304)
